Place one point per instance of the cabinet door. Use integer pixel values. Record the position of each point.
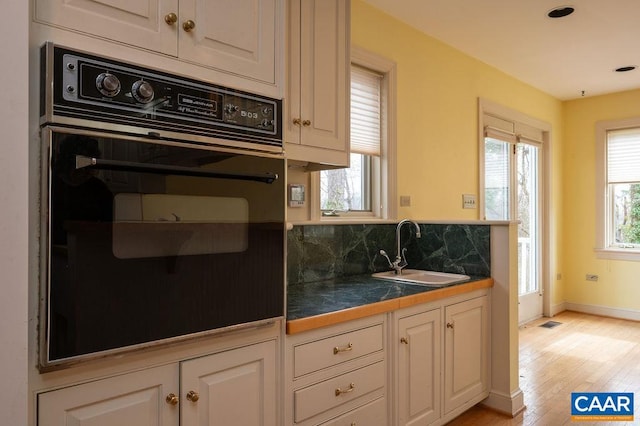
(236, 387)
(419, 368)
(139, 23)
(466, 346)
(135, 399)
(234, 36)
(317, 105)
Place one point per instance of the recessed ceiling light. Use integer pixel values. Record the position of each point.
(625, 69)
(561, 12)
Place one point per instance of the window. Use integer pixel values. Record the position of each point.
(365, 188)
(618, 189)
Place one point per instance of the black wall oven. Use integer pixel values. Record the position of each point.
(160, 223)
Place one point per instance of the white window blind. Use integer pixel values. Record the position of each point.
(365, 111)
(623, 156)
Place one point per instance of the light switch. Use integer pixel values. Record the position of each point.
(405, 201)
(468, 201)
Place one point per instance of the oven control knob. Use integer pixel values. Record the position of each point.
(231, 109)
(108, 84)
(142, 91)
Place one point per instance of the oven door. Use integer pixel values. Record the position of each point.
(150, 241)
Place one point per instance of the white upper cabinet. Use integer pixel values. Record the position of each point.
(240, 38)
(238, 35)
(139, 23)
(317, 101)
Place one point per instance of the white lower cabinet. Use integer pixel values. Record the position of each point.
(233, 387)
(418, 367)
(337, 375)
(441, 352)
(466, 350)
(134, 399)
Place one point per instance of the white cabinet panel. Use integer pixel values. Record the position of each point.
(466, 349)
(419, 368)
(236, 387)
(313, 356)
(318, 84)
(140, 23)
(371, 414)
(338, 390)
(237, 36)
(135, 399)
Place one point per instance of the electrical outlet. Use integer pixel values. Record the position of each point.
(468, 201)
(405, 201)
(558, 276)
(591, 277)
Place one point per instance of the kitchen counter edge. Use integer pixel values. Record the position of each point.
(331, 318)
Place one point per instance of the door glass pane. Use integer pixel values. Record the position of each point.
(528, 241)
(496, 179)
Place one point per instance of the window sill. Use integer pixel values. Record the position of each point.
(618, 254)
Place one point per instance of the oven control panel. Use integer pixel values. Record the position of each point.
(98, 90)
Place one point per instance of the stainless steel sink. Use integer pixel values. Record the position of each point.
(427, 278)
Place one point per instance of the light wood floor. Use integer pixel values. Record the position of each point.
(584, 354)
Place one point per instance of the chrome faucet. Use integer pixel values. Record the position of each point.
(400, 262)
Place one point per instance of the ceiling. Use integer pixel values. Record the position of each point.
(562, 57)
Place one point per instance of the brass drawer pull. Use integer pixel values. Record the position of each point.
(347, 348)
(351, 387)
(450, 325)
(404, 340)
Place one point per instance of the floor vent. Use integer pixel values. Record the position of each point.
(550, 324)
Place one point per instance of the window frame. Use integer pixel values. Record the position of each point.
(604, 227)
(383, 206)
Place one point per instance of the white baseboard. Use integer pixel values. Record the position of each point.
(556, 309)
(511, 405)
(628, 314)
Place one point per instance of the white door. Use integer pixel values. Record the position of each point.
(419, 368)
(236, 387)
(512, 184)
(142, 23)
(234, 36)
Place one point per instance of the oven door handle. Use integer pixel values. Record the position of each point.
(128, 166)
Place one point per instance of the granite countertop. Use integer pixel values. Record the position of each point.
(322, 303)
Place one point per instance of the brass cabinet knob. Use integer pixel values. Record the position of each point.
(188, 25)
(306, 123)
(171, 18)
(172, 399)
(404, 340)
(297, 121)
(193, 396)
(449, 325)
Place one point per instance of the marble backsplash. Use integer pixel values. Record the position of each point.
(321, 252)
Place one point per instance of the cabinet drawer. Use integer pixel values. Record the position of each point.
(331, 393)
(314, 356)
(371, 414)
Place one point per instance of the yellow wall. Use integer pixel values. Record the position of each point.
(619, 281)
(438, 91)
(437, 127)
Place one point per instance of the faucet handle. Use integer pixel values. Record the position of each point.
(384, 253)
(404, 259)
